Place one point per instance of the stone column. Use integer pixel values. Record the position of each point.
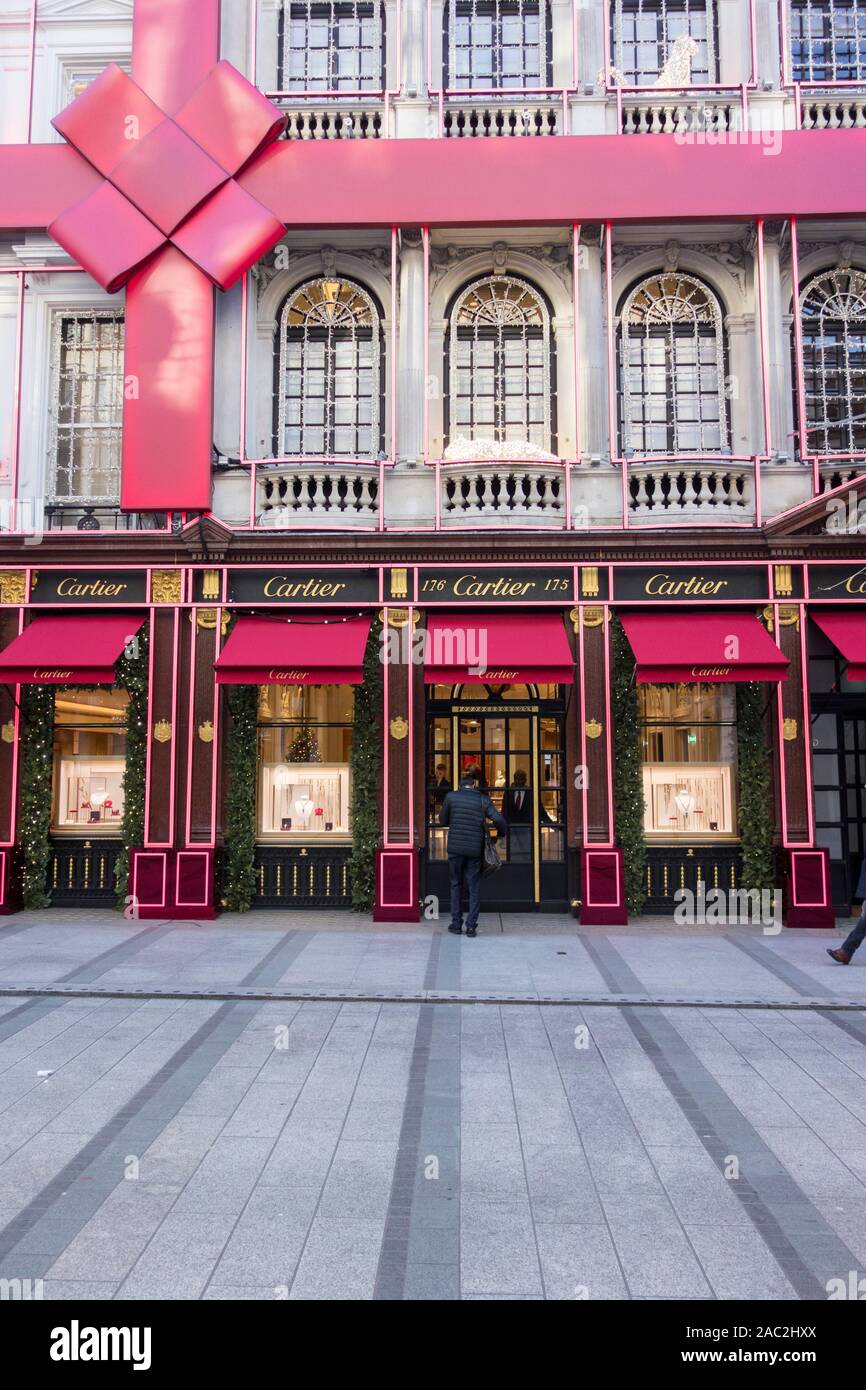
(778, 345)
(414, 41)
(410, 349)
(592, 348)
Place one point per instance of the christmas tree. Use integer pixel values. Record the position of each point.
(304, 748)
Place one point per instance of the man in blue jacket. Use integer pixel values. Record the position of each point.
(464, 812)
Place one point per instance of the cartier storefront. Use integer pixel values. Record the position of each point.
(361, 688)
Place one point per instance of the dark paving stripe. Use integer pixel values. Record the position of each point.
(420, 1254)
(424, 1211)
(85, 974)
(803, 1243)
(769, 960)
(41, 1231)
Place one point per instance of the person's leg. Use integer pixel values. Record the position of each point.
(473, 880)
(455, 879)
(854, 939)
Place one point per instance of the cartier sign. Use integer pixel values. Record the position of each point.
(662, 583)
(837, 581)
(302, 587)
(494, 586)
(89, 586)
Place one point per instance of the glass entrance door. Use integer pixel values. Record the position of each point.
(512, 736)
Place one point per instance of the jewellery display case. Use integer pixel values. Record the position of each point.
(301, 800)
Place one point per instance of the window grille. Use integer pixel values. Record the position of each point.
(332, 46)
(329, 393)
(645, 33)
(500, 364)
(503, 44)
(672, 368)
(828, 40)
(833, 315)
(86, 410)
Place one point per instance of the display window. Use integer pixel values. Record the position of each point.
(689, 748)
(304, 745)
(89, 760)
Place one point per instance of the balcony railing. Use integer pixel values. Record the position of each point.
(510, 118)
(709, 491)
(833, 111)
(336, 122)
(679, 113)
(499, 494)
(311, 495)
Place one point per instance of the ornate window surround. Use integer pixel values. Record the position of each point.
(856, 291)
(624, 393)
(459, 307)
(370, 308)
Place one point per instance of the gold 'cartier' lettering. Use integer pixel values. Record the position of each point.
(51, 675)
(291, 676)
(711, 670)
(693, 587)
(470, 586)
(279, 586)
(93, 588)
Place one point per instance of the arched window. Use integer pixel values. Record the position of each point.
(648, 34)
(501, 44)
(672, 367)
(828, 40)
(329, 389)
(833, 315)
(500, 367)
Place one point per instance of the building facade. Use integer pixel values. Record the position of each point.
(520, 422)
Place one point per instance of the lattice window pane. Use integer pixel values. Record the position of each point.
(500, 385)
(833, 313)
(672, 368)
(828, 40)
(87, 407)
(497, 44)
(646, 34)
(332, 45)
(329, 404)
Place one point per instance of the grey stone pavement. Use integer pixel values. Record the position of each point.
(310, 1107)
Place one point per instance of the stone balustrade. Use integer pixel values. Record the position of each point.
(833, 111)
(467, 120)
(494, 493)
(335, 123)
(663, 492)
(677, 114)
(317, 494)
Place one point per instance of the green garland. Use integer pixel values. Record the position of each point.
(132, 676)
(37, 707)
(754, 810)
(627, 769)
(37, 742)
(365, 762)
(239, 880)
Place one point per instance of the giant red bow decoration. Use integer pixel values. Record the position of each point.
(169, 178)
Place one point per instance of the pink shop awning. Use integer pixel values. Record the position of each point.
(273, 651)
(727, 644)
(846, 629)
(72, 649)
(498, 649)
